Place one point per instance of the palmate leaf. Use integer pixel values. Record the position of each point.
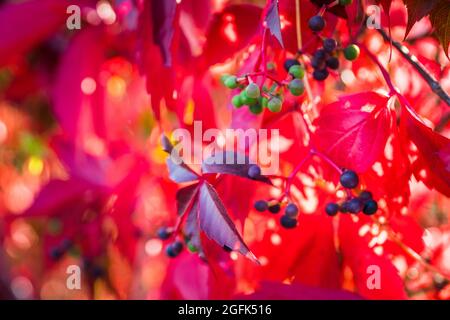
(180, 172)
(353, 131)
(272, 20)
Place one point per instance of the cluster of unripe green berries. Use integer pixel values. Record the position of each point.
(364, 202)
(288, 220)
(257, 98)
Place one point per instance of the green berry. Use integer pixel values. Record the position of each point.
(192, 248)
(237, 101)
(245, 99)
(296, 87)
(297, 71)
(345, 2)
(252, 90)
(256, 108)
(264, 102)
(351, 52)
(274, 104)
(231, 82)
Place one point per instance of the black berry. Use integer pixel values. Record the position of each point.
(174, 249)
(316, 23)
(317, 63)
(320, 54)
(260, 205)
(370, 207)
(254, 171)
(289, 63)
(349, 179)
(164, 233)
(329, 44)
(354, 205)
(291, 210)
(332, 63)
(332, 209)
(274, 208)
(288, 222)
(320, 75)
(365, 196)
(344, 207)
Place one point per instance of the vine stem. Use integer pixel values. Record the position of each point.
(419, 67)
(290, 178)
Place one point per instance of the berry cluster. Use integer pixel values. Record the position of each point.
(257, 98)
(363, 202)
(325, 58)
(288, 220)
(174, 248)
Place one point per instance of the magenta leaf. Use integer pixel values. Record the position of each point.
(192, 227)
(230, 163)
(163, 14)
(216, 223)
(185, 198)
(353, 131)
(272, 20)
(180, 172)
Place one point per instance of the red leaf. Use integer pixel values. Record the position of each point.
(163, 16)
(433, 163)
(417, 9)
(216, 223)
(279, 291)
(353, 131)
(185, 197)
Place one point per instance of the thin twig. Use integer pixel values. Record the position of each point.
(419, 67)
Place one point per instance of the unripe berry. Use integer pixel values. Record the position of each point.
(349, 179)
(192, 248)
(316, 23)
(264, 102)
(256, 108)
(288, 222)
(236, 101)
(274, 104)
(370, 207)
(291, 210)
(332, 209)
(252, 90)
(296, 87)
(254, 171)
(231, 82)
(246, 100)
(297, 71)
(345, 2)
(351, 52)
(289, 63)
(261, 205)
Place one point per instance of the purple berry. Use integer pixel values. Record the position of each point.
(288, 222)
(349, 179)
(332, 209)
(320, 74)
(254, 171)
(316, 23)
(274, 208)
(291, 210)
(261, 205)
(370, 207)
(354, 205)
(329, 44)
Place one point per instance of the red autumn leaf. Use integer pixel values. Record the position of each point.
(432, 165)
(353, 131)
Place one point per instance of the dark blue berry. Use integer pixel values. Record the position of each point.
(227, 249)
(316, 23)
(349, 179)
(164, 233)
(329, 44)
(97, 271)
(56, 253)
(344, 207)
(365, 196)
(320, 75)
(332, 63)
(317, 63)
(254, 171)
(260, 205)
(174, 249)
(332, 209)
(354, 205)
(288, 222)
(291, 210)
(370, 207)
(289, 63)
(320, 54)
(274, 208)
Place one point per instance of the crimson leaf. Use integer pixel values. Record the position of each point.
(185, 197)
(216, 223)
(354, 130)
(163, 15)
